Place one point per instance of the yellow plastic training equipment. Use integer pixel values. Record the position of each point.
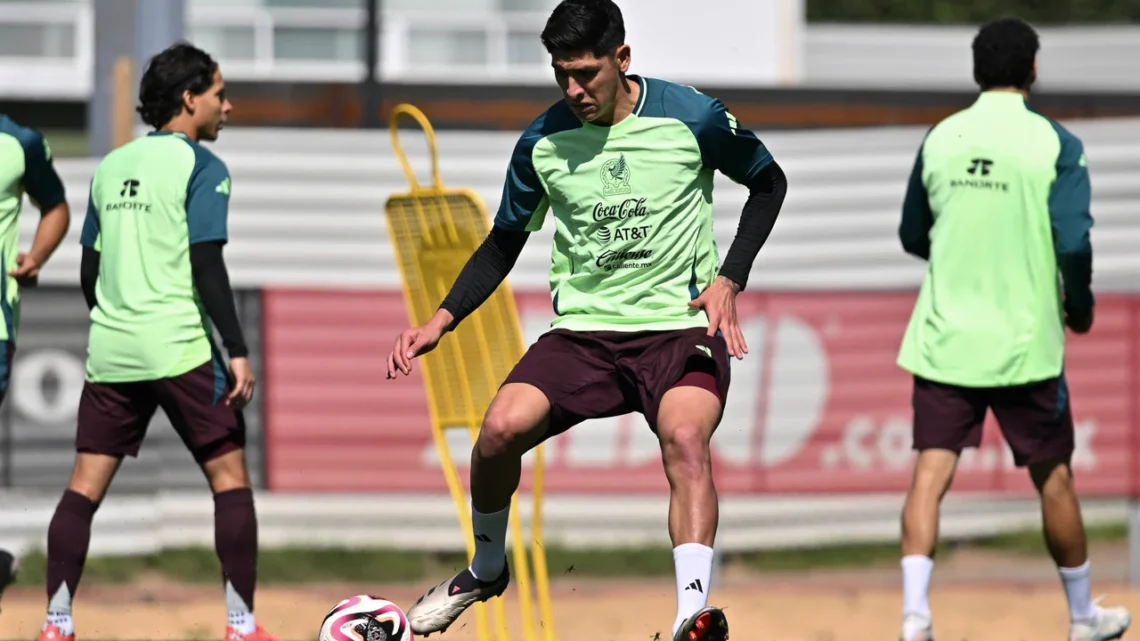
(433, 232)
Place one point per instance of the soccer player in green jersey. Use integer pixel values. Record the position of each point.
(998, 204)
(154, 278)
(645, 311)
(25, 168)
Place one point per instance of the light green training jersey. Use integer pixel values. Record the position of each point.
(150, 200)
(998, 202)
(632, 205)
(25, 168)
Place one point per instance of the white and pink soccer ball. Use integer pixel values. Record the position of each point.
(366, 618)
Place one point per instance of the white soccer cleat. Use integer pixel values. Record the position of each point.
(916, 627)
(436, 610)
(1107, 624)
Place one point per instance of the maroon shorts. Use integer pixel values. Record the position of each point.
(588, 375)
(113, 417)
(1035, 419)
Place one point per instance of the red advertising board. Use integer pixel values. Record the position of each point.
(817, 406)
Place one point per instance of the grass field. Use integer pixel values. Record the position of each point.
(199, 566)
(995, 589)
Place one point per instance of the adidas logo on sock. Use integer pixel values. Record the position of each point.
(483, 537)
(695, 585)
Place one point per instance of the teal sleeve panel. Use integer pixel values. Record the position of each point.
(725, 146)
(1070, 200)
(207, 198)
(41, 182)
(917, 217)
(90, 233)
(523, 193)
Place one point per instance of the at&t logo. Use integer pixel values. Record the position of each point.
(638, 232)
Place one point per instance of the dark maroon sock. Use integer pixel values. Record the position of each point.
(235, 538)
(69, 535)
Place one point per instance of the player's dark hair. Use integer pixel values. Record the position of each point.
(179, 68)
(1004, 53)
(581, 26)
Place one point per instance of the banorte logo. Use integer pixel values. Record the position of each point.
(779, 392)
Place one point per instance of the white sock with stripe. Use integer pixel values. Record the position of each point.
(693, 563)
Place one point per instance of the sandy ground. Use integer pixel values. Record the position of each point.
(975, 597)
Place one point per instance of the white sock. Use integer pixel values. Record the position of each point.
(490, 543)
(62, 621)
(693, 563)
(243, 622)
(916, 569)
(1078, 592)
(241, 617)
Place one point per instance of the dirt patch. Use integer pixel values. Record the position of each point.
(976, 597)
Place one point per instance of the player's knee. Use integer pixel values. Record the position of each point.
(88, 487)
(505, 432)
(92, 473)
(933, 472)
(686, 449)
(225, 470)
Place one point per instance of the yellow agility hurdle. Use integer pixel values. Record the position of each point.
(433, 232)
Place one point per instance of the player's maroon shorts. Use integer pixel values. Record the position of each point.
(597, 374)
(113, 417)
(1035, 419)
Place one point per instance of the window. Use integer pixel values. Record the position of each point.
(525, 48)
(303, 43)
(527, 6)
(330, 4)
(447, 47)
(224, 42)
(37, 40)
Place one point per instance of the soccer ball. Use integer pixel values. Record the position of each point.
(365, 618)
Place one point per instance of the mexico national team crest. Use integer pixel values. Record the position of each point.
(615, 177)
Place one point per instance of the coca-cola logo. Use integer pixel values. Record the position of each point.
(628, 208)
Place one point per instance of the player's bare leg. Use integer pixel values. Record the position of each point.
(69, 536)
(515, 421)
(1065, 538)
(933, 473)
(686, 420)
(235, 541)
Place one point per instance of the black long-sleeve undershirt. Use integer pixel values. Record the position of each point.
(211, 279)
(496, 256)
(88, 274)
(213, 284)
(766, 194)
(484, 272)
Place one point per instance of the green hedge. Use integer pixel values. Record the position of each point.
(973, 12)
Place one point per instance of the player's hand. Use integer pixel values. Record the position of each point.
(27, 272)
(719, 302)
(410, 344)
(1080, 324)
(244, 382)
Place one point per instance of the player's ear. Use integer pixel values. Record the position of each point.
(623, 58)
(188, 101)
